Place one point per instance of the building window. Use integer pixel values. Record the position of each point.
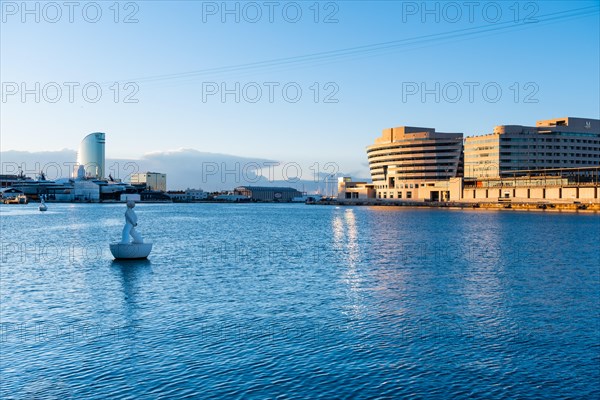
(399, 195)
(409, 195)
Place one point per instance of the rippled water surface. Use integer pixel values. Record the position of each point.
(295, 301)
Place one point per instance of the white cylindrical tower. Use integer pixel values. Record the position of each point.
(91, 155)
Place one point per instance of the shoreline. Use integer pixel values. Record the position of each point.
(505, 206)
(587, 208)
(538, 206)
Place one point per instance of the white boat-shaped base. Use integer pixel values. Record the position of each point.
(130, 251)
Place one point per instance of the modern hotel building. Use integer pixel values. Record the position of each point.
(414, 163)
(516, 150)
(91, 155)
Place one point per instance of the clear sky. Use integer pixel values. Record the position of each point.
(361, 67)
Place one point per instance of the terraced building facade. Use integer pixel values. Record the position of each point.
(415, 163)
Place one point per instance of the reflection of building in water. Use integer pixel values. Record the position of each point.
(345, 235)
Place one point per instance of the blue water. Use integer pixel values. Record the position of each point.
(295, 301)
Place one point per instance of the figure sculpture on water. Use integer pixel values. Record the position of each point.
(130, 224)
(137, 249)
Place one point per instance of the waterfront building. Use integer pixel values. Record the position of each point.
(154, 196)
(152, 180)
(516, 150)
(558, 186)
(307, 198)
(235, 198)
(570, 185)
(177, 196)
(266, 193)
(195, 194)
(188, 195)
(91, 155)
(347, 189)
(410, 163)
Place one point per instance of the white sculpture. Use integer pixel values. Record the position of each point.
(130, 224)
(137, 248)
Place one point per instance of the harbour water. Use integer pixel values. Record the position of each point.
(269, 300)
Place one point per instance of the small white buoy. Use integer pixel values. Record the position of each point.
(43, 206)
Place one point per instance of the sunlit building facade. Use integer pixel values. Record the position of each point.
(152, 180)
(414, 163)
(515, 150)
(91, 155)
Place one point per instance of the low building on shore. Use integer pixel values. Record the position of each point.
(188, 195)
(574, 185)
(230, 197)
(154, 196)
(349, 190)
(267, 193)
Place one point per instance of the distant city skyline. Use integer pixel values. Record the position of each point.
(232, 87)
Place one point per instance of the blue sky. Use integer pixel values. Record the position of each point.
(553, 62)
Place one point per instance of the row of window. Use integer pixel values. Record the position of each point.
(523, 154)
(482, 155)
(550, 147)
(475, 163)
(453, 156)
(555, 140)
(538, 154)
(408, 167)
(430, 143)
(586, 162)
(469, 142)
(420, 152)
(384, 195)
(417, 176)
(480, 148)
(404, 185)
